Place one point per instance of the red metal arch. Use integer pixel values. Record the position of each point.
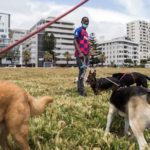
(40, 29)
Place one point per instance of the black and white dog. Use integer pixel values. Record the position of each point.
(127, 79)
(133, 103)
(101, 84)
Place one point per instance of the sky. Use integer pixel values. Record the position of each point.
(108, 18)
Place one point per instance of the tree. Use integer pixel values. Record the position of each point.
(67, 55)
(148, 59)
(93, 47)
(12, 55)
(1, 57)
(112, 63)
(92, 60)
(47, 56)
(26, 54)
(128, 61)
(93, 44)
(49, 42)
(143, 61)
(102, 58)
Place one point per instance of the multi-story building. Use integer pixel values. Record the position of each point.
(118, 50)
(15, 35)
(4, 29)
(139, 32)
(4, 34)
(62, 31)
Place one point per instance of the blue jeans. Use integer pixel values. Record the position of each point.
(82, 65)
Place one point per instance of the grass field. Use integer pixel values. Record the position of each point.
(72, 122)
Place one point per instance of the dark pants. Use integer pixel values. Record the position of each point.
(81, 63)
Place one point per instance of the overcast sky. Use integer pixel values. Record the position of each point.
(107, 17)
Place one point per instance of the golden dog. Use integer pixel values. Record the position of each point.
(16, 107)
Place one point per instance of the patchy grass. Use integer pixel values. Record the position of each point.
(71, 122)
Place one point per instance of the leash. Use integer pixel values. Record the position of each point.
(112, 82)
(129, 74)
(133, 77)
(84, 66)
(123, 76)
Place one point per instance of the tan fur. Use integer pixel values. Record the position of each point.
(16, 107)
(137, 116)
(139, 119)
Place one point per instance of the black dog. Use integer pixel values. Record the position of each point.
(127, 79)
(101, 84)
(133, 103)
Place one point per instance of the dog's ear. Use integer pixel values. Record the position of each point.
(90, 72)
(94, 73)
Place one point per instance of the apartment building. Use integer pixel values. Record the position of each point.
(4, 29)
(63, 32)
(4, 34)
(118, 50)
(139, 32)
(15, 35)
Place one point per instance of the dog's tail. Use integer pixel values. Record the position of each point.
(37, 106)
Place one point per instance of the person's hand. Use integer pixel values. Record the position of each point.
(81, 54)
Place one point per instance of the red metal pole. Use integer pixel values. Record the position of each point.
(40, 29)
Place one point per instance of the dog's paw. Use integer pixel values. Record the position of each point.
(107, 134)
(75, 80)
(128, 133)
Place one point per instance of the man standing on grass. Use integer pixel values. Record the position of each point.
(82, 48)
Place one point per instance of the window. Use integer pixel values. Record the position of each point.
(1, 30)
(3, 36)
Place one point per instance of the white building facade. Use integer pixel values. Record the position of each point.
(31, 44)
(63, 32)
(4, 29)
(4, 34)
(15, 35)
(139, 32)
(118, 50)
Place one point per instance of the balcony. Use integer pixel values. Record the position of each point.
(65, 46)
(64, 36)
(64, 26)
(64, 41)
(125, 51)
(58, 30)
(126, 56)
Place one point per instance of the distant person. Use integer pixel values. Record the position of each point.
(82, 48)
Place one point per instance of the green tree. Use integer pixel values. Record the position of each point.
(92, 60)
(67, 56)
(47, 56)
(128, 61)
(93, 48)
(12, 55)
(93, 43)
(26, 54)
(102, 58)
(49, 42)
(1, 57)
(148, 59)
(143, 61)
